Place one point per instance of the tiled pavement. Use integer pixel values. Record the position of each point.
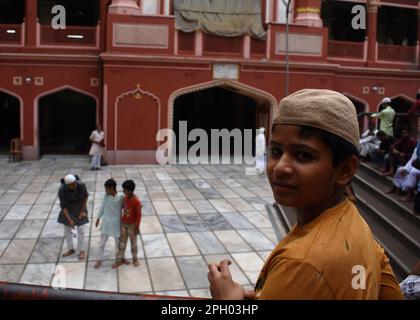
(192, 215)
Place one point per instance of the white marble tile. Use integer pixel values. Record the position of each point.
(134, 279)
(232, 241)
(102, 279)
(156, 245)
(164, 208)
(257, 219)
(222, 205)
(207, 242)
(183, 207)
(250, 263)
(182, 244)
(241, 205)
(11, 272)
(165, 274)
(194, 271)
(30, 229)
(8, 228)
(150, 225)
(53, 229)
(257, 240)
(17, 212)
(38, 274)
(3, 245)
(41, 211)
(18, 251)
(27, 198)
(200, 293)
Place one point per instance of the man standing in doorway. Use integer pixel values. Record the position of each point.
(97, 149)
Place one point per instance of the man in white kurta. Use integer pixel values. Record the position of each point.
(110, 213)
(97, 138)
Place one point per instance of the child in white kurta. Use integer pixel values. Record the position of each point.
(110, 213)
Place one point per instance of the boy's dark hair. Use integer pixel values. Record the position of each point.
(110, 183)
(129, 185)
(340, 148)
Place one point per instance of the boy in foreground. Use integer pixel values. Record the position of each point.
(330, 253)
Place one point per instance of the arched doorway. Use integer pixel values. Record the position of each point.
(66, 119)
(221, 105)
(360, 106)
(9, 120)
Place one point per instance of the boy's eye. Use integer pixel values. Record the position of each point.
(305, 156)
(275, 152)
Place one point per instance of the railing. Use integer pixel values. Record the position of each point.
(17, 291)
(396, 53)
(11, 34)
(71, 36)
(346, 49)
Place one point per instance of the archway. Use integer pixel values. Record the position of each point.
(10, 119)
(221, 105)
(65, 120)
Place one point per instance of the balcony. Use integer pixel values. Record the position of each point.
(393, 53)
(12, 34)
(71, 37)
(347, 50)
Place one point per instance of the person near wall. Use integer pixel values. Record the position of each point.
(97, 138)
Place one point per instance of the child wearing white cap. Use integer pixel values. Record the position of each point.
(73, 197)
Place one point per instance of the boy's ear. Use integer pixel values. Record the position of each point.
(347, 170)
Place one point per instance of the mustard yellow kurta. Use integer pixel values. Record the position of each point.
(324, 258)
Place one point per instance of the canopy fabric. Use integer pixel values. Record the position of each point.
(226, 18)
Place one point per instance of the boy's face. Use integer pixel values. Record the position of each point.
(300, 171)
(128, 193)
(109, 190)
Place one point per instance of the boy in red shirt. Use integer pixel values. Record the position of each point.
(130, 224)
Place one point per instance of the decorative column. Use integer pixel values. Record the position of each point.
(31, 19)
(372, 9)
(308, 13)
(127, 7)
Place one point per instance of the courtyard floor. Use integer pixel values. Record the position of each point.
(192, 215)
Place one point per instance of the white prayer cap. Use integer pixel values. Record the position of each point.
(68, 179)
(386, 100)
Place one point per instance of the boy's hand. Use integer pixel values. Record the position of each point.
(82, 215)
(71, 223)
(222, 287)
(137, 230)
(97, 223)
